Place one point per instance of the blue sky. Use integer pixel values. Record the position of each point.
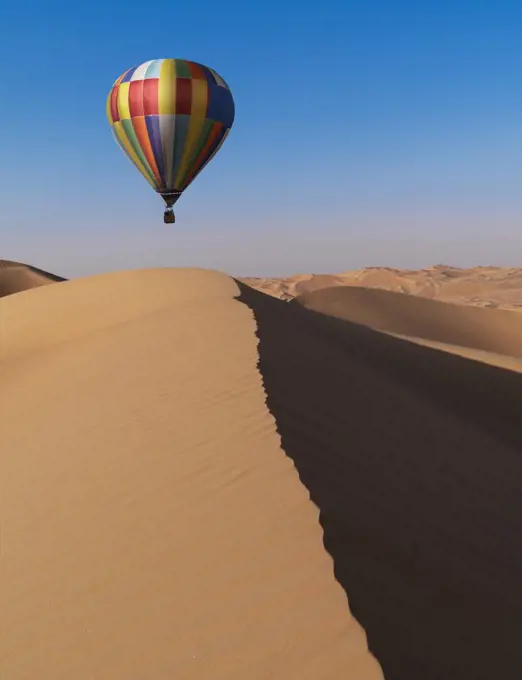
(366, 133)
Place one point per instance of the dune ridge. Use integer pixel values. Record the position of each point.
(152, 526)
(413, 457)
(16, 277)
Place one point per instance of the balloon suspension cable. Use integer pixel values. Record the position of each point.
(170, 197)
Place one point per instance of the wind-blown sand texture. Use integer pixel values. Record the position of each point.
(153, 522)
(480, 286)
(151, 525)
(16, 277)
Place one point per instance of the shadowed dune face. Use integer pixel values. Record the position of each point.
(16, 277)
(491, 330)
(479, 286)
(414, 458)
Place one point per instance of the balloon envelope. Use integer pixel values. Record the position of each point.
(170, 117)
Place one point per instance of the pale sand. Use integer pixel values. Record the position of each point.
(151, 525)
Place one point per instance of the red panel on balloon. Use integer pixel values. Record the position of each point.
(184, 96)
(150, 97)
(136, 98)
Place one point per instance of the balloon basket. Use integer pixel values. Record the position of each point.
(169, 217)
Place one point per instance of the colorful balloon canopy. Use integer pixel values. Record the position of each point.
(170, 117)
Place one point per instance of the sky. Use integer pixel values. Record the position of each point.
(367, 133)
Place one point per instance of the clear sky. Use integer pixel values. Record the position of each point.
(366, 133)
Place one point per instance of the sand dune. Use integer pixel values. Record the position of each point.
(413, 457)
(16, 277)
(151, 524)
(492, 358)
(479, 286)
(444, 325)
(162, 434)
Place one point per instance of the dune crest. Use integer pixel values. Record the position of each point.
(16, 277)
(152, 526)
(413, 457)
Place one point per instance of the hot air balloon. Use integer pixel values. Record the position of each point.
(170, 118)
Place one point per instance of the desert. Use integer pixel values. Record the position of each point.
(201, 480)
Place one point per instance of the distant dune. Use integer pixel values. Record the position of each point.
(480, 286)
(448, 326)
(16, 277)
(201, 481)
